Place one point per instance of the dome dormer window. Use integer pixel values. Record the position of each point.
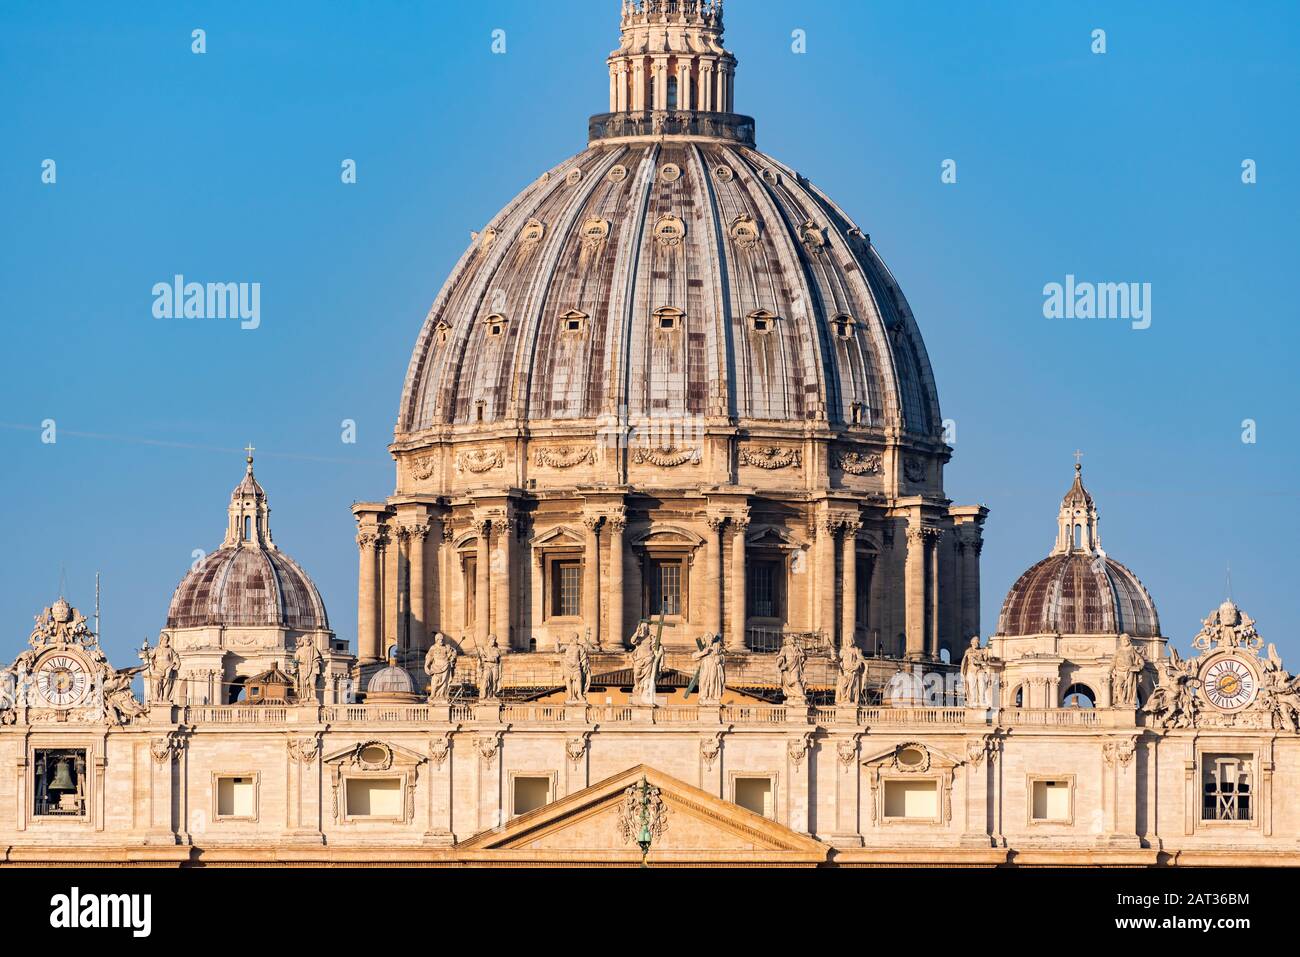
(762, 321)
(666, 317)
(573, 322)
(843, 326)
(496, 324)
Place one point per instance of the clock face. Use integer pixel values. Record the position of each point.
(1229, 684)
(62, 680)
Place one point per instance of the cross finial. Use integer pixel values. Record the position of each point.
(250, 449)
(1078, 461)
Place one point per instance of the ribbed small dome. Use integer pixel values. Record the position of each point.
(248, 586)
(248, 581)
(390, 680)
(1079, 594)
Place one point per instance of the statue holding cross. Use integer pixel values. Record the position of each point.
(647, 658)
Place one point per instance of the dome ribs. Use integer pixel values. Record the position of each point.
(427, 394)
(552, 374)
(794, 367)
(810, 378)
(1073, 594)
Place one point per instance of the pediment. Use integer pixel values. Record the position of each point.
(699, 828)
(562, 536)
(913, 756)
(374, 755)
(668, 535)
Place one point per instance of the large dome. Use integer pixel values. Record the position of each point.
(248, 581)
(1078, 589)
(670, 375)
(657, 276)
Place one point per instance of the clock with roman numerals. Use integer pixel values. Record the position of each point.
(1229, 683)
(62, 680)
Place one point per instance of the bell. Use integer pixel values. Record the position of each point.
(62, 777)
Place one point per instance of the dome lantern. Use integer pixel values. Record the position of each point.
(249, 514)
(671, 59)
(1077, 522)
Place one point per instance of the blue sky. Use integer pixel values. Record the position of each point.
(1119, 167)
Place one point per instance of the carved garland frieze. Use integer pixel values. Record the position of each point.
(666, 458)
(479, 460)
(770, 457)
(564, 457)
(859, 463)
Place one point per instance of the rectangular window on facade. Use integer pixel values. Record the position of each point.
(566, 588)
(374, 797)
(1051, 800)
(754, 794)
(60, 782)
(862, 579)
(1227, 787)
(764, 589)
(909, 799)
(665, 587)
(530, 793)
(237, 796)
(471, 589)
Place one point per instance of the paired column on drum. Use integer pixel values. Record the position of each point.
(482, 525)
(615, 525)
(591, 574)
(849, 581)
(372, 538)
(922, 590)
(412, 537)
(735, 641)
(713, 572)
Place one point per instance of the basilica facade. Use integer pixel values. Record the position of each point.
(668, 575)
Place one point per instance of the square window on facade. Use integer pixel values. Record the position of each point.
(755, 794)
(1051, 801)
(374, 797)
(237, 796)
(913, 800)
(530, 793)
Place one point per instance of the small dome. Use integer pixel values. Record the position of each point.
(391, 680)
(248, 586)
(1079, 594)
(248, 581)
(1078, 589)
